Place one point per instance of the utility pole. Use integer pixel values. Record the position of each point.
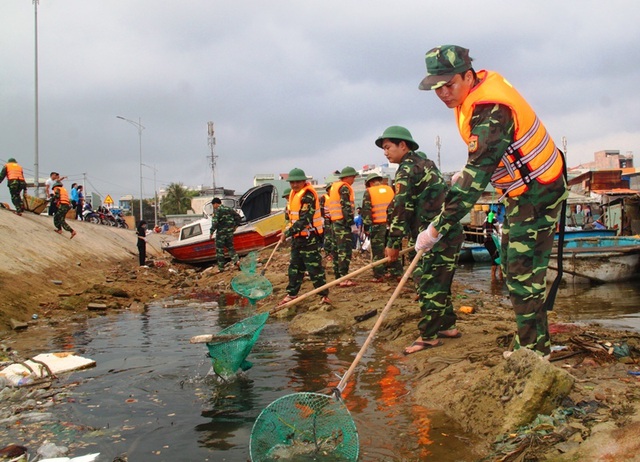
(213, 157)
(36, 164)
(438, 149)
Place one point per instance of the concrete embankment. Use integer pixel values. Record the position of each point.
(33, 257)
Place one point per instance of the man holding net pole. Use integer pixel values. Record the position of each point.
(305, 230)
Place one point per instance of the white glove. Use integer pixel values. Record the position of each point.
(456, 176)
(425, 240)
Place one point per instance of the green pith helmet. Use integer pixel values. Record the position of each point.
(397, 132)
(371, 176)
(297, 174)
(11, 160)
(285, 193)
(347, 171)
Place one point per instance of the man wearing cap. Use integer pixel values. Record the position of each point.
(63, 203)
(341, 210)
(377, 199)
(224, 222)
(12, 171)
(419, 193)
(305, 230)
(328, 243)
(510, 147)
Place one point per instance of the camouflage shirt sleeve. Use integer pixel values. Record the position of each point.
(3, 173)
(347, 207)
(402, 209)
(307, 209)
(493, 126)
(214, 221)
(367, 218)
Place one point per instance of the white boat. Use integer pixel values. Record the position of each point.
(598, 260)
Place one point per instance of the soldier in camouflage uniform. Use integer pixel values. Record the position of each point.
(509, 146)
(305, 229)
(224, 222)
(341, 210)
(419, 193)
(328, 242)
(16, 183)
(375, 203)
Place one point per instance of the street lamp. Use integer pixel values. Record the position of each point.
(155, 196)
(140, 127)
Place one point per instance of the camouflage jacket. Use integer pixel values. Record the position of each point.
(420, 191)
(494, 127)
(225, 220)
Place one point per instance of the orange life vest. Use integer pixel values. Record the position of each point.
(381, 196)
(295, 204)
(532, 155)
(324, 203)
(335, 207)
(14, 171)
(63, 196)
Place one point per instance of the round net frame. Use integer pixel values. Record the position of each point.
(230, 355)
(305, 426)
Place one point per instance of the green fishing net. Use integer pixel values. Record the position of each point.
(237, 340)
(248, 283)
(305, 426)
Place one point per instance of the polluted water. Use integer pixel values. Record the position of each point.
(151, 397)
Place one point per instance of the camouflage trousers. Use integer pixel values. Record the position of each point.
(329, 242)
(378, 237)
(15, 189)
(60, 220)
(305, 256)
(225, 241)
(527, 240)
(437, 268)
(343, 249)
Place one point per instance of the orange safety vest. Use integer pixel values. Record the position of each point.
(325, 205)
(295, 204)
(335, 207)
(14, 171)
(381, 196)
(63, 196)
(532, 154)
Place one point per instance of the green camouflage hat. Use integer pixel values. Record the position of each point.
(297, 174)
(371, 176)
(347, 171)
(396, 132)
(443, 63)
(285, 193)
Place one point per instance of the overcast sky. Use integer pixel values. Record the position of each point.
(304, 83)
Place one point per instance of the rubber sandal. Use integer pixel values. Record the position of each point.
(287, 299)
(347, 284)
(423, 346)
(325, 300)
(441, 335)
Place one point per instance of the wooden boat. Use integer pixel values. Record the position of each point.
(260, 228)
(598, 260)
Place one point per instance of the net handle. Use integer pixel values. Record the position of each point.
(264, 268)
(333, 283)
(376, 326)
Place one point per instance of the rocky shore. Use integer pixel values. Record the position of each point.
(582, 405)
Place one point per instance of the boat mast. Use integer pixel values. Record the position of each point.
(213, 157)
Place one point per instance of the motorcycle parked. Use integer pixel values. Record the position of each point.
(120, 222)
(89, 215)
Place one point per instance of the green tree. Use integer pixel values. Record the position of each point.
(177, 200)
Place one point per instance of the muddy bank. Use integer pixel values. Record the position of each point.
(594, 419)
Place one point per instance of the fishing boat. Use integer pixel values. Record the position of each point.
(260, 227)
(598, 260)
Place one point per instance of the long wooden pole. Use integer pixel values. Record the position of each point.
(365, 345)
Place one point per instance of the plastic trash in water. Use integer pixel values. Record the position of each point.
(636, 373)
